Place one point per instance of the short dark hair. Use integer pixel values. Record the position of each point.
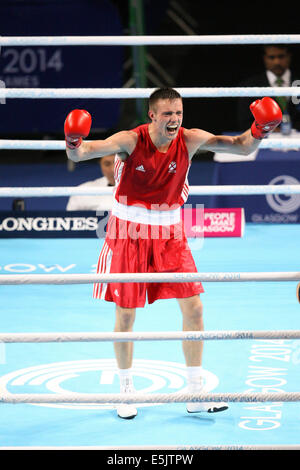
(279, 46)
(163, 94)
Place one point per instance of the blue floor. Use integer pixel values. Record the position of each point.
(231, 366)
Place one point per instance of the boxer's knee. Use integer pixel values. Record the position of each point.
(124, 318)
(192, 310)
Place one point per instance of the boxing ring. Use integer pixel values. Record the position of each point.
(251, 316)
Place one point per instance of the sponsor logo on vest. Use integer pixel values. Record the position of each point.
(141, 168)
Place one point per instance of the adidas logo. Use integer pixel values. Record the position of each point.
(141, 168)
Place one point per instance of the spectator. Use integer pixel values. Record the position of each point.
(277, 61)
(93, 203)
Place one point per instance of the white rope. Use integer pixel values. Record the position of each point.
(57, 279)
(193, 190)
(245, 189)
(9, 144)
(116, 93)
(149, 398)
(164, 447)
(145, 336)
(278, 144)
(178, 40)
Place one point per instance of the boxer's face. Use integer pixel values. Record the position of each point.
(167, 116)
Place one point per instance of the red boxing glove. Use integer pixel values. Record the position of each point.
(77, 125)
(267, 115)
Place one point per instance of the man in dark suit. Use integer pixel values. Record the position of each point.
(277, 61)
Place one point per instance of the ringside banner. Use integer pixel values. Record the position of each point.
(91, 224)
(48, 224)
(214, 222)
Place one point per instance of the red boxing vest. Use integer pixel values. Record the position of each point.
(153, 179)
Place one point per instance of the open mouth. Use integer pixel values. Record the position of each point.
(172, 129)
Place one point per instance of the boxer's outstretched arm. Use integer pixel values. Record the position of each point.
(267, 115)
(242, 144)
(78, 125)
(122, 143)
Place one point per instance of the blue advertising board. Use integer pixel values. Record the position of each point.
(270, 168)
(59, 67)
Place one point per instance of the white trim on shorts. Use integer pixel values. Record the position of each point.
(103, 267)
(141, 215)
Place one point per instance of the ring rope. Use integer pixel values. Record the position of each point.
(145, 336)
(60, 191)
(57, 279)
(7, 144)
(148, 398)
(116, 93)
(154, 40)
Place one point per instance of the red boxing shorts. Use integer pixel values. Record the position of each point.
(131, 247)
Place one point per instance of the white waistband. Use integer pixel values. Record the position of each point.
(141, 215)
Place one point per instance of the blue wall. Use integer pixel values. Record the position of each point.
(59, 67)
